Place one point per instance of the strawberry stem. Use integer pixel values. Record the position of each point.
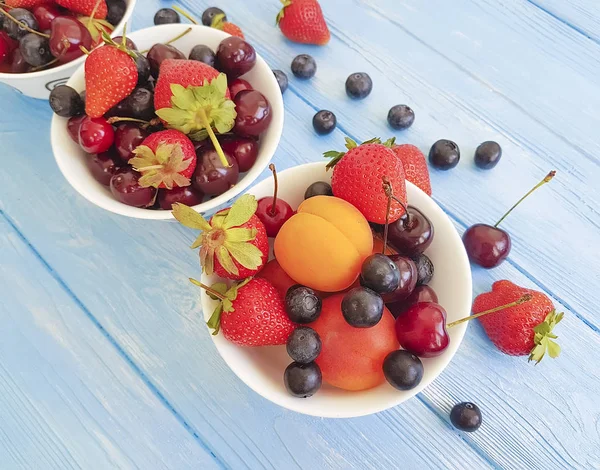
(272, 211)
(389, 192)
(184, 13)
(213, 137)
(522, 300)
(23, 25)
(547, 179)
(91, 19)
(218, 295)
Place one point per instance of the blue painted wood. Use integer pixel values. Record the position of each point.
(469, 79)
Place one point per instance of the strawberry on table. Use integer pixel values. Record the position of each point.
(234, 244)
(358, 178)
(219, 22)
(166, 159)
(251, 313)
(415, 166)
(302, 21)
(524, 329)
(96, 8)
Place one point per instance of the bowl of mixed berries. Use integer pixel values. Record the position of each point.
(172, 113)
(42, 42)
(335, 290)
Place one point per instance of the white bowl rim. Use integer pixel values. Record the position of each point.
(74, 63)
(211, 204)
(371, 408)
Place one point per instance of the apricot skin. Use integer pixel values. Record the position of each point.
(352, 358)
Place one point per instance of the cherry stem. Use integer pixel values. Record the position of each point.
(146, 124)
(211, 291)
(547, 179)
(22, 24)
(184, 13)
(213, 137)
(522, 300)
(389, 192)
(273, 210)
(171, 41)
(41, 67)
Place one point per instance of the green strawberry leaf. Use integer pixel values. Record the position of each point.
(225, 260)
(390, 142)
(189, 217)
(161, 168)
(241, 211)
(281, 14)
(246, 254)
(237, 235)
(543, 338)
(374, 140)
(350, 144)
(219, 287)
(214, 322)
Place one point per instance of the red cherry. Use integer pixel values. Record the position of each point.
(127, 137)
(422, 331)
(67, 36)
(103, 166)
(186, 195)
(96, 135)
(44, 14)
(73, 126)
(420, 294)
(243, 149)
(238, 85)
(273, 212)
(487, 245)
(254, 113)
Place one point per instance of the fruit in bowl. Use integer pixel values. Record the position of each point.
(167, 124)
(343, 350)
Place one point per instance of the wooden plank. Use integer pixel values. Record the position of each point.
(132, 276)
(581, 15)
(67, 398)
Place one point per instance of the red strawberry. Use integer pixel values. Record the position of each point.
(234, 244)
(358, 178)
(415, 166)
(166, 159)
(227, 27)
(523, 329)
(95, 8)
(27, 4)
(302, 21)
(251, 313)
(110, 77)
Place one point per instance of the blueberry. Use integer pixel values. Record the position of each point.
(320, 188)
(304, 66)
(444, 154)
(488, 155)
(35, 50)
(466, 417)
(362, 307)
(204, 54)
(282, 80)
(359, 85)
(16, 31)
(403, 370)
(141, 104)
(302, 304)
(143, 68)
(380, 274)
(116, 11)
(303, 380)
(166, 16)
(210, 13)
(304, 345)
(324, 122)
(424, 269)
(401, 117)
(66, 102)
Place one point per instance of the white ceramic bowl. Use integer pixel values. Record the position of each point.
(71, 158)
(40, 84)
(262, 368)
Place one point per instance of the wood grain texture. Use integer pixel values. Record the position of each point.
(581, 15)
(68, 400)
(130, 275)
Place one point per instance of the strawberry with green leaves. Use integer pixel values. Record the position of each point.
(302, 21)
(358, 175)
(234, 244)
(166, 159)
(525, 328)
(219, 22)
(193, 98)
(96, 8)
(251, 313)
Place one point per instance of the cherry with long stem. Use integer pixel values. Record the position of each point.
(273, 209)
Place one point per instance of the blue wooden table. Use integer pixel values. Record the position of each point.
(104, 358)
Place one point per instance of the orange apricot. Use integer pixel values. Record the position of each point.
(352, 358)
(324, 244)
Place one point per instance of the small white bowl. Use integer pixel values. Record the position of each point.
(262, 368)
(71, 158)
(40, 84)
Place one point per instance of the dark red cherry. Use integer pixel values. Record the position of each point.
(125, 187)
(253, 113)
(243, 149)
(73, 126)
(238, 85)
(18, 63)
(128, 43)
(67, 36)
(420, 294)
(186, 195)
(103, 166)
(127, 137)
(273, 211)
(211, 177)
(96, 135)
(422, 331)
(411, 234)
(160, 52)
(408, 279)
(234, 57)
(45, 14)
(487, 245)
